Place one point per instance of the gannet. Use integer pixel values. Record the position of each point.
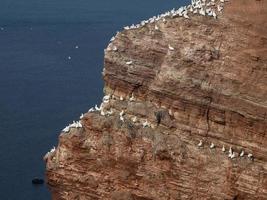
(112, 39)
(122, 113)
(212, 145)
(80, 124)
(156, 27)
(53, 149)
(121, 118)
(134, 119)
(200, 144)
(171, 48)
(106, 98)
(97, 108)
(230, 152)
(145, 124)
(121, 98)
(185, 16)
(223, 149)
(250, 155)
(114, 48)
(132, 98)
(66, 129)
(242, 153)
(233, 155)
(81, 116)
(102, 113)
(69, 57)
(202, 12)
(76, 47)
(129, 62)
(91, 110)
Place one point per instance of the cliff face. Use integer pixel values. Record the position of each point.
(180, 93)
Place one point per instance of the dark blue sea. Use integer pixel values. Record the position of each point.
(41, 90)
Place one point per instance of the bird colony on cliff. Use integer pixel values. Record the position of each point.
(209, 8)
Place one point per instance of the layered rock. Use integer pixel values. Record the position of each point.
(192, 81)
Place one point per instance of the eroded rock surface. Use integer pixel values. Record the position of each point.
(210, 87)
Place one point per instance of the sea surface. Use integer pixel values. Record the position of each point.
(41, 89)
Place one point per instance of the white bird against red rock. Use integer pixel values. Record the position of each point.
(82, 115)
(97, 108)
(146, 124)
(114, 48)
(212, 145)
(242, 153)
(132, 98)
(121, 118)
(223, 149)
(200, 144)
(66, 129)
(102, 113)
(170, 48)
(134, 119)
(129, 62)
(233, 155)
(122, 113)
(250, 156)
(91, 110)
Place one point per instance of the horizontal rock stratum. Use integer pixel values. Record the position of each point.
(184, 114)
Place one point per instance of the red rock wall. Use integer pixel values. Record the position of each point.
(212, 87)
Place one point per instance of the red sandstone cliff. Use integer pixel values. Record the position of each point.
(212, 87)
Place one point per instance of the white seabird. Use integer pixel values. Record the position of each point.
(250, 155)
(132, 98)
(76, 47)
(97, 108)
(69, 57)
(112, 39)
(242, 153)
(121, 118)
(129, 62)
(121, 98)
(66, 129)
(170, 48)
(233, 155)
(82, 115)
(200, 144)
(91, 110)
(230, 152)
(134, 119)
(53, 149)
(212, 145)
(122, 113)
(114, 48)
(146, 124)
(102, 113)
(223, 149)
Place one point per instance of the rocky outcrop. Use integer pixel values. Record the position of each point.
(177, 95)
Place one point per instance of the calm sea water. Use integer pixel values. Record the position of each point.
(41, 90)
